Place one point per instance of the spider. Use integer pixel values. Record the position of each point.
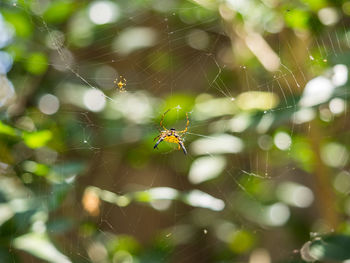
(121, 83)
(172, 135)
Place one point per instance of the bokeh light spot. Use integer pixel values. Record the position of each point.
(316, 91)
(342, 182)
(49, 104)
(278, 214)
(102, 12)
(295, 194)
(334, 154)
(328, 16)
(340, 75)
(223, 143)
(94, 100)
(337, 106)
(282, 140)
(135, 38)
(206, 168)
(198, 39)
(257, 100)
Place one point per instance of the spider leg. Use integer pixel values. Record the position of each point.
(187, 123)
(158, 142)
(156, 137)
(183, 147)
(162, 119)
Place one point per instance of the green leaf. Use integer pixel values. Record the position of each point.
(17, 51)
(20, 22)
(37, 139)
(179, 104)
(335, 247)
(40, 246)
(5, 213)
(298, 19)
(241, 241)
(36, 168)
(37, 63)
(6, 129)
(124, 243)
(192, 13)
(302, 153)
(59, 11)
(315, 4)
(143, 196)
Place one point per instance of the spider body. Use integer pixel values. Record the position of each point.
(172, 135)
(121, 83)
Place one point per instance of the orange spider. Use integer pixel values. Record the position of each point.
(121, 83)
(172, 135)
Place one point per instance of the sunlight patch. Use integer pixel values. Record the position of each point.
(136, 107)
(40, 246)
(103, 12)
(200, 199)
(316, 91)
(103, 76)
(5, 213)
(328, 16)
(216, 144)
(97, 252)
(265, 122)
(80, 30)
(337, 106)
(6, 62)
(63, 60)
(334, 154)
(55, 40)
(277, 214)
(326, 115)
(223, 230)
(198, 39)
(160, 204)
(94, 100)
(265, 142)
(165, 193)
(282, 141)
(7, 91)
(263, 51)
(340, 75)
(342, 182)
(49, 104)
(303, 115)
(7, 32)
(206, 107)
(240, 122)
(257, 100)
(135, 38)
(295, 194)
(206, 168)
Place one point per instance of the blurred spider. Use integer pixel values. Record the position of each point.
(121, 83)
(172, 135)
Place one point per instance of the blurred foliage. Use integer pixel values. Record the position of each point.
(265, 85)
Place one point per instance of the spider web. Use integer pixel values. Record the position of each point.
(122, 126)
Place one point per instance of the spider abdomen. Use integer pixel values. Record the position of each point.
(172, 139)
(172, 135)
